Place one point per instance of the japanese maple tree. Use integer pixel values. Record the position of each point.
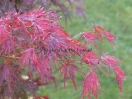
(33, 45)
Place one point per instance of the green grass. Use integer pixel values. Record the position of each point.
(116, 17)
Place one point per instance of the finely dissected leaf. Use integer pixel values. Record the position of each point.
(69, 68)
(120, 76)
(29, 57)
(113, 62)
(91, 59)
(110, 37)
(110, 60)
(7, 80)
(91, 85)
(98, 30)
(90, 37)
(3, 34)
(8, 46)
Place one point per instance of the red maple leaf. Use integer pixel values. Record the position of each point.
(91, 59)
(110, 37)
(110, 60)
(3, 34)
(113, 62)
(91, 38)
(120, 76)
(69, 68)
(91, 85)
(98, 30)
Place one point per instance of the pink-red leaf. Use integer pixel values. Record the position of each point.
(3, 34)
(98, 30)
(110, 37)
(120, 76)
(91, 85)
(29, 57)
(91, 59)
(90, 37)
(113, 62)
(110, 60)
(69, 68)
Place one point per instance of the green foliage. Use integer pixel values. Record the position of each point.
(115, 16)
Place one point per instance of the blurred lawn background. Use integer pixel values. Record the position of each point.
(116, 17)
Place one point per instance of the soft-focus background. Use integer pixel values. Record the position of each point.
(116, 17)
